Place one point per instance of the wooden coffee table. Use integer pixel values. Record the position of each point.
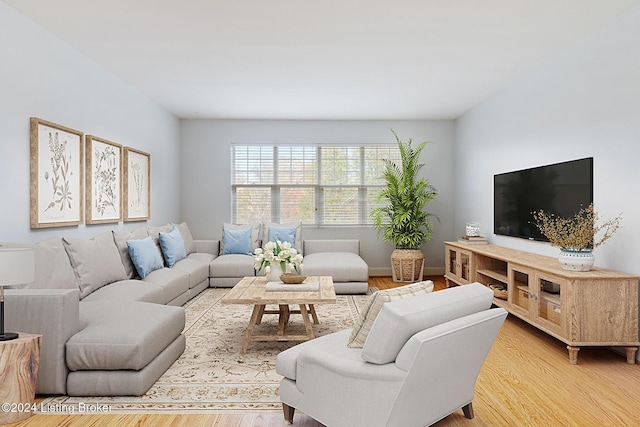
(252, 290)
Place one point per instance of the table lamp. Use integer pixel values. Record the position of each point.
(17, 267)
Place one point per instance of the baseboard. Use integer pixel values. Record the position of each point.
(386, 271)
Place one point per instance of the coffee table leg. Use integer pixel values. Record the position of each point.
(255, 320)
(283, 319)
(307, 323)
(312, 310)
(260, 314)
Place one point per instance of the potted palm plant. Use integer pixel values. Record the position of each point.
(403, 220)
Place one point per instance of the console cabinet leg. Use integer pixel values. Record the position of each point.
(573, 354)
(631, 354)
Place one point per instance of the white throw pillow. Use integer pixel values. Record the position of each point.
(373, 306)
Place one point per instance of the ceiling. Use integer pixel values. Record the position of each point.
(329, 59)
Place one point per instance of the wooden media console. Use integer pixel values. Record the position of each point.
(592, 308)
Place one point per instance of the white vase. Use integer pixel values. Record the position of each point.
(274, 275)
(576, 260)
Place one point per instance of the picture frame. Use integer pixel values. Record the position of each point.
(103, 186)
(137, 185)
(56, 175)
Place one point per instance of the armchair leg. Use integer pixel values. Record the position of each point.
(468, 410)
(288, 413)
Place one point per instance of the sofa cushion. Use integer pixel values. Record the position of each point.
(341, 266)
(255, 234)
(121, 237)
(172, 245)
(311, 246)
(268, 234)
(202, 257)
(197, 270)
(232, 265)
(333, 344)
(122, 335)
(128, 290)
(399, 320)
(173, 282)
(237, 241)
(145, 256)
(372, 307)
(186, 236)
(96, 262)
(52, 266)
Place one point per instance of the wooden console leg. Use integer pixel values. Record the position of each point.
(468, 410)
(631, 354)
(573, 354)
(288, 413)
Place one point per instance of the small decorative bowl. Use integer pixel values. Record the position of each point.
(292, 278)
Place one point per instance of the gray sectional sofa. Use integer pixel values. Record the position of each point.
(107, 331)
(339, 259)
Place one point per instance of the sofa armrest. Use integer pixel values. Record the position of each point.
(54, 314)
(207, 246)
(331, 245)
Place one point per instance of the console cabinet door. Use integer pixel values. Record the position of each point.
(520, 289)
(459, 265)
(550, 302)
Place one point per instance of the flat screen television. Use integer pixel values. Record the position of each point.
(560, 188)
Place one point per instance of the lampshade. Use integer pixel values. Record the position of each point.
(17, 266)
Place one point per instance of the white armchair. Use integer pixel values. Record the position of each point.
(419, 363)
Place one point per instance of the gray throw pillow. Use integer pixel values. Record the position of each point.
(121, 237)
(96, 262)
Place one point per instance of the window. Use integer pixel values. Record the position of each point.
(315, 184)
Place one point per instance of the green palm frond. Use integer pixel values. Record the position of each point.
(403, 220)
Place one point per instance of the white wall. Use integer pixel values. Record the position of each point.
(206, 194)
(41, 76)
(585, 102)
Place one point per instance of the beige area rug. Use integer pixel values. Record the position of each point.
(212, 375)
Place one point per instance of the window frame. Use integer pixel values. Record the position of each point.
(318, 187)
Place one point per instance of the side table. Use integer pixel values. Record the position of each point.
(19, 360)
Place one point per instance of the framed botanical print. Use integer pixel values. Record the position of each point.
(57, 183)
(137, 185)
(104, 181)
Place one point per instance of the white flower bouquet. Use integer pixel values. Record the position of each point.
(278, 253)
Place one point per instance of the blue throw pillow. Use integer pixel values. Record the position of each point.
(284, 234)
(144, 255)
(172, 246)
(237, 241)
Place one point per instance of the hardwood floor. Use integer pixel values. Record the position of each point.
(526, 381)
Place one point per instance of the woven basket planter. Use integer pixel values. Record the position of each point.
(407, 265)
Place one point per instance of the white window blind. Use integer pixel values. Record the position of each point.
(315, 184)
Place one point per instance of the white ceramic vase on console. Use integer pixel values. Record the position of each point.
(573, 260)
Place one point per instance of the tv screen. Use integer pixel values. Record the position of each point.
(561, 188)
